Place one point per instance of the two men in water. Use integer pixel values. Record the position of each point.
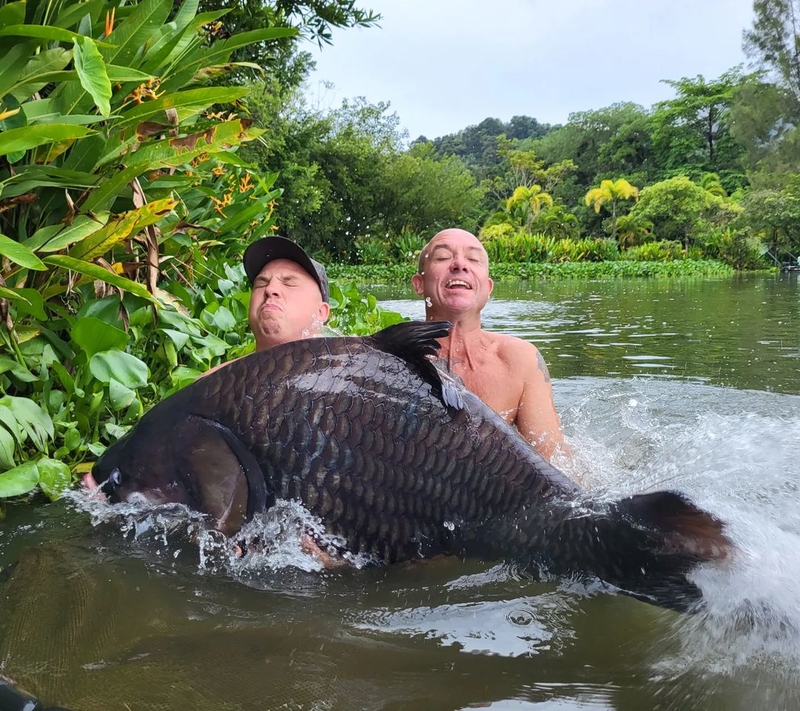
(290, 301)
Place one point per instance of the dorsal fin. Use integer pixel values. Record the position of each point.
(414, 342)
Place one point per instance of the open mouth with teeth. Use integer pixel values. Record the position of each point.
(458, 284)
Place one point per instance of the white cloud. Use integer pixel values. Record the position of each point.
(446, 64)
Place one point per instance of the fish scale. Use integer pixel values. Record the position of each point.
(400, 462)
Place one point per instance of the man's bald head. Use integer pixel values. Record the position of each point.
(450, 232)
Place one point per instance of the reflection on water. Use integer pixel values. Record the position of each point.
(742, 332)
(96, 619)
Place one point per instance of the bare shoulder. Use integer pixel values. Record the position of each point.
(522, 355)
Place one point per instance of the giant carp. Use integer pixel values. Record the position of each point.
(400, 462)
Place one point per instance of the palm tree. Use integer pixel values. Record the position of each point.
(632, 227)
(526, 202)
(711, 183)
(611, 192)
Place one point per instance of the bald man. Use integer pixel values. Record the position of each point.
(507, 373)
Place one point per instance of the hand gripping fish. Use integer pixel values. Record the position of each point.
(402, 463)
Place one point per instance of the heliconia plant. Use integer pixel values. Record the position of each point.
(118, 164)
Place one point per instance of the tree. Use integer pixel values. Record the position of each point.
(422, 193)
(525, 203)
(611, 192)
(679, 209)
(774, 39)
(633, 229)
(691, 133)
(764, 121)
(774, 215)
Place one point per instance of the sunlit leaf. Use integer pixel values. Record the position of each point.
(96, 272)
(31, 418)
(19, 254)
(94, 335)
(9, 365)
(121, 366)
(120, 396)
(6, 449)
(54, 477)
(19, 480)
(92, 73)
(23, 139)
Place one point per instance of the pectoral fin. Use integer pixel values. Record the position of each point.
(222, 474)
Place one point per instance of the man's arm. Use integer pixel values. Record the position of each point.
(537, 419)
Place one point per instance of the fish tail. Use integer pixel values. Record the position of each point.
(646, 545)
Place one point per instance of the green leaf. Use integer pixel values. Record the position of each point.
(19, 254)
(31, 304)
(130, 35)
(120, 396)
(119, 74)
(177, 337)
(13, 13)
(54, 238)
(12, 62)
(74, 14)
(7, 460)
(54, 477)
(121, 366)
(92, 73)
(34, 76)
(221, 51)
(23, 139)
(186, 103)
(19, 480)
(31, 418)
(94, 335)
(95, 272)
(20, 372)
(47, 32)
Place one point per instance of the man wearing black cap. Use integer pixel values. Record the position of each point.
(290, 292)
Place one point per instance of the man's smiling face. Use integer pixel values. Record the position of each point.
(454, 273)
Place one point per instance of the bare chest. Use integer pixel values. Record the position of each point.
(492, 381)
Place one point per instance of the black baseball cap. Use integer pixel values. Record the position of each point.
(268, 249)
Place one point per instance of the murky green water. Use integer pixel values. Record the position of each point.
(692, 385)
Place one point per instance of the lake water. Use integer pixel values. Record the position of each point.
(690, 384)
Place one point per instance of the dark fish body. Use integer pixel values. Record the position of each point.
(401, 463)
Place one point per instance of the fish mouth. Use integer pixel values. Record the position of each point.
(458, 284)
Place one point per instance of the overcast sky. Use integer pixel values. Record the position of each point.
(447, 64)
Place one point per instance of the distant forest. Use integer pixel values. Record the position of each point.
(715, 169)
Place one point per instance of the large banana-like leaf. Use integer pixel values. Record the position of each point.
(121, 228)
(50, 34)
(54, 238)
(121, 47)
(134, 32)
(74, 13)
(22, 139)
(220, 52)
(14, 57)
(93, 271)
(186, 103)
(170, 153)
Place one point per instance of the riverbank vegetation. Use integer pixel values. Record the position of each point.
(144, 144)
